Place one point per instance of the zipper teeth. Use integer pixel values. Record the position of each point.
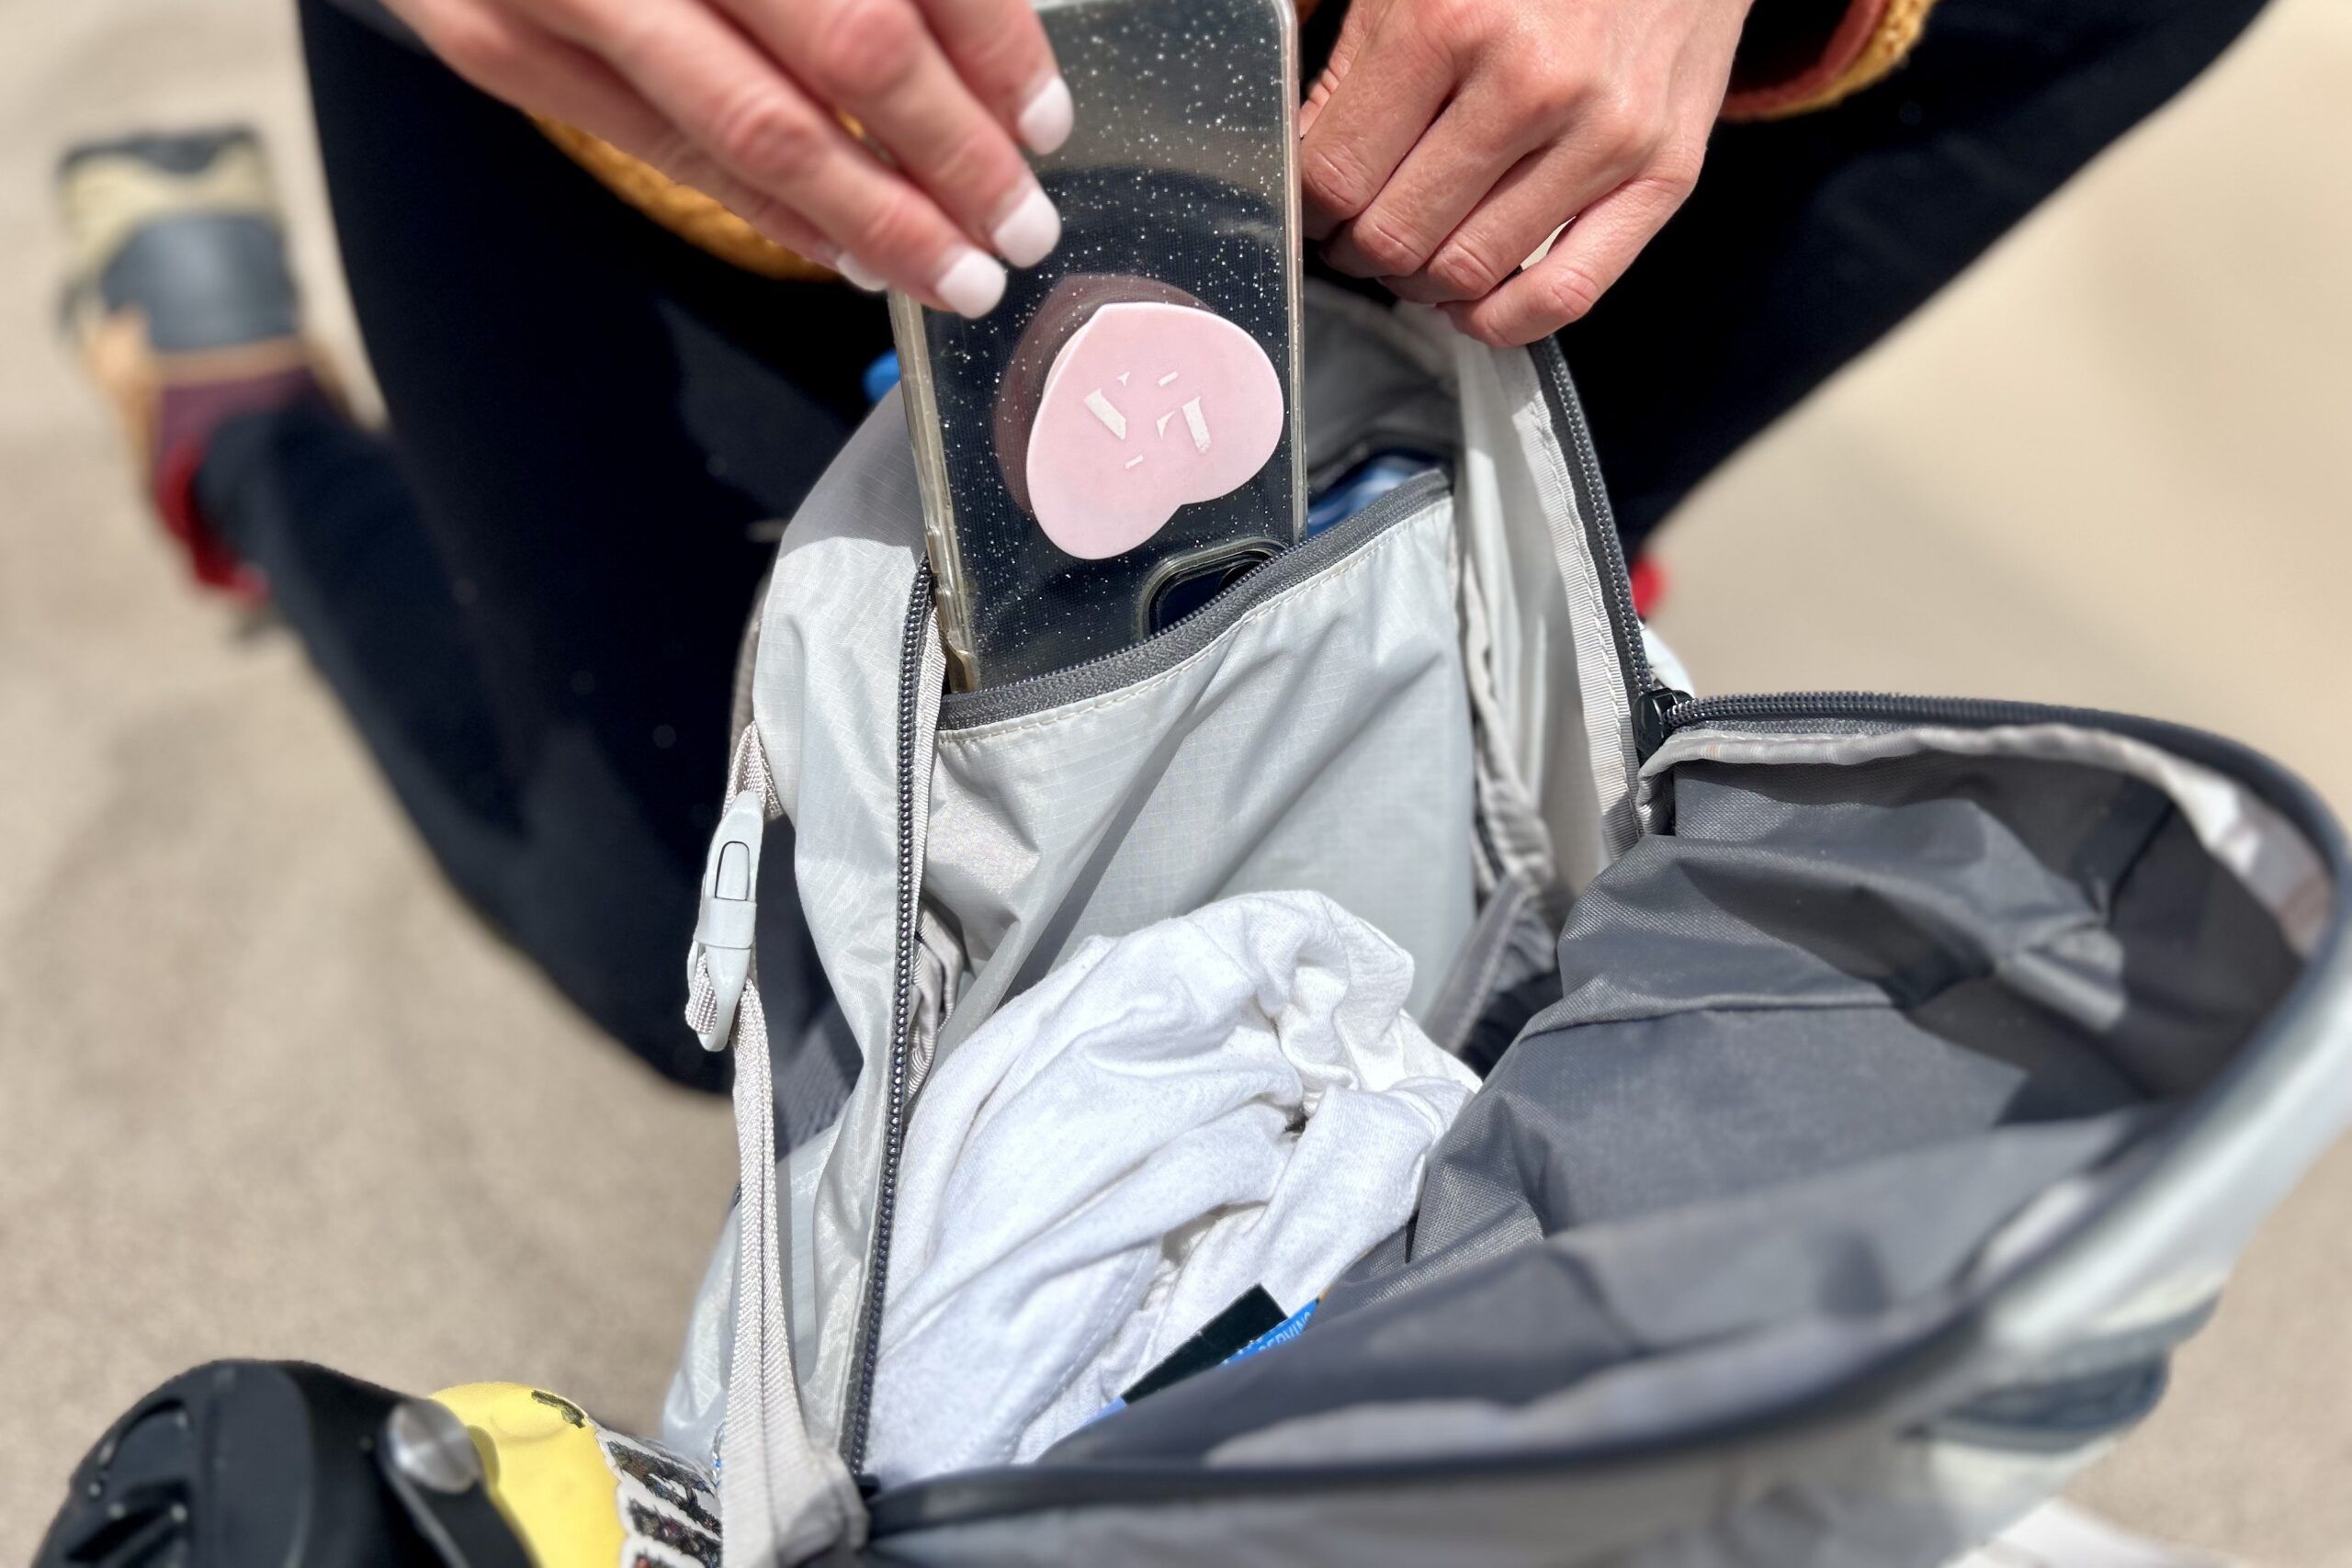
(1615, 576)
(1864, 706)
(902, 976)
(1600, 523)
(1014, 697)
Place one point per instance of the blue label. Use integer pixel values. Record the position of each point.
(1282, 1332)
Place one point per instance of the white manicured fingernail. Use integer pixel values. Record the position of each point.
(1030, 231)
(858, 273)
(972, 283)
(1045, 121)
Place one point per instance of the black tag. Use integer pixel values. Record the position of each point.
(1228, 1331)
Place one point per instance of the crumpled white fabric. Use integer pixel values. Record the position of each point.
(1230, 1098)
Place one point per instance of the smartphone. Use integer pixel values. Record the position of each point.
(1119, 438)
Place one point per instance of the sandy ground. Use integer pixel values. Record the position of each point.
(265, 1089)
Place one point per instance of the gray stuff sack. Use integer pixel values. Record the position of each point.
(1876, 1089)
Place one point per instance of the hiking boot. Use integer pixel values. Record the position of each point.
(184, 309)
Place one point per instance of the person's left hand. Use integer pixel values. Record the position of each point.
(1448, 139)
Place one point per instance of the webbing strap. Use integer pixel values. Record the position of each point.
(782, 1498)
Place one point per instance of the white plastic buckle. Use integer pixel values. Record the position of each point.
(730, 908)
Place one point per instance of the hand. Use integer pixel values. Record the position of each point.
(1449, 139)
(742, 98)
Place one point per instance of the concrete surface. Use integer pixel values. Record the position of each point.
(265, 1089)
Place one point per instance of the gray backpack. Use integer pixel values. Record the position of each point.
(1889, 1082)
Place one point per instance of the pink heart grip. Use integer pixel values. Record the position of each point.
(1148, 407)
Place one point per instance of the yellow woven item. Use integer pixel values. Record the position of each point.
(1899, 25)
(686, 212)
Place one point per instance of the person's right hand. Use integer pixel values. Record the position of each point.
(742, 99)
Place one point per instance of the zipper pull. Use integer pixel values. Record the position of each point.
(1650, 727)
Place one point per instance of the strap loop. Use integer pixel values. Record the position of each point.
(783, 1498)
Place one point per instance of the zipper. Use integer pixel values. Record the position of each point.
(1032, 694)
(1679, 710)
(1600, 527)
(1658, 709)
(964, 709)
(857, 1419)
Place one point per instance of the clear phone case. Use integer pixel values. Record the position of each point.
(1096, 391)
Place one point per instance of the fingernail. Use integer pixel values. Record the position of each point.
(1030, 231)
(972, 283)
(1045, 121)
(858, 273)
(1539, 252)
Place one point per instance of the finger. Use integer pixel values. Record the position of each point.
(1525, 209)
(999, 48)
(515, 60)
(1441, 182)
(762, 130)
(878, 61)
(1593, 254)
(1391, 91)
(1354, 28)
(1420, 288)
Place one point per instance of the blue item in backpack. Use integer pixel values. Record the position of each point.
(880, 376)
(1362, 485)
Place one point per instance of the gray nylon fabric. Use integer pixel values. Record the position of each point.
(1817, 1044)
(1823, 965)
(1825, 1273)
(1873, 1499)
(1253, 766)
(2284, 870)
(1563, 745)
(1370, 386)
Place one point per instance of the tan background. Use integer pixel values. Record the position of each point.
(265, 1089)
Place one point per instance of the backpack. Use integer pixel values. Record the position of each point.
(1876, 1089)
